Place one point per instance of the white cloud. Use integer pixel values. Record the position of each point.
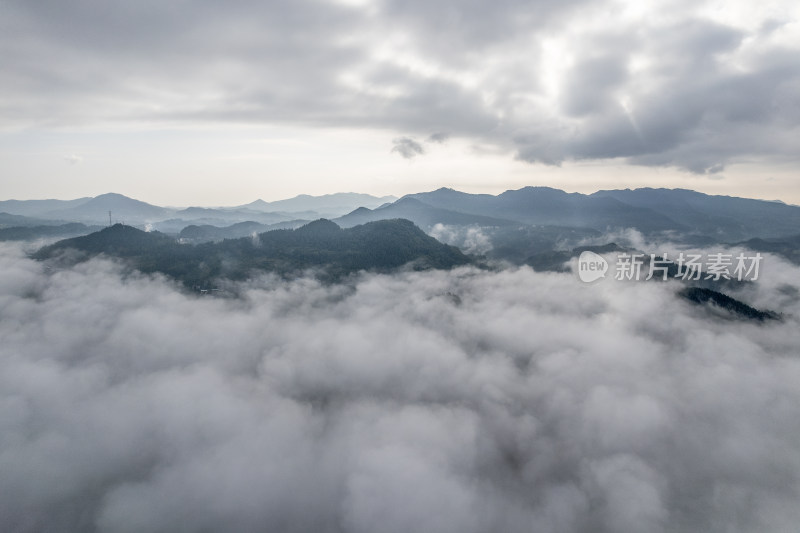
(471, 239)
(436, 401)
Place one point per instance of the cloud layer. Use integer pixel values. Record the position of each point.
(667, 84)
(463, 401)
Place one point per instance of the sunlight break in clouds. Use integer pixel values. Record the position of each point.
(462, 401)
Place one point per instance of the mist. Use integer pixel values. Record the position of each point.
(470, 239)
(461, 401)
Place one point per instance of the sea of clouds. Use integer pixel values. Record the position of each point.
(463, 401)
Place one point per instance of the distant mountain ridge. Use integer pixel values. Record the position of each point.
(136, 212)
(335, 204)
(648, 210)
(121, 208)
(421, 214)
(29, 233)
(33, 208)
(728, 216)
(684, 214)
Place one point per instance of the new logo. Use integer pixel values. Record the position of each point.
(591, 267)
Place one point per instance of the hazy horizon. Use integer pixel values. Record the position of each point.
(387, 195)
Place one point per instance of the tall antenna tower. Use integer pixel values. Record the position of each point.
(109, 219)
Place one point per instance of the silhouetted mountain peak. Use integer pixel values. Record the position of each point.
(322, 226)
(440, 194)
(123, 231)
(112, 196)
(530, 190)
(119, 229)
(115, 199)
(734, 307)
(118, 240)
(122, 208)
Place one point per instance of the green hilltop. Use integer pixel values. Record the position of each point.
(321, 245)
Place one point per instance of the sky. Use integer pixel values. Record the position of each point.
(443, 401)
(219, 103)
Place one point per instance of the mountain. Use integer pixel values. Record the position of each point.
(331, 205)
(687, 216)
(34, 208)
(118, 240)
(206, 233)
(715, 218)
(723, 217)
(447, 198)
(225, 216)
(421, 214)
(547, 206)
(725, 306)
(212, 229)
(377, 246)
(788, 247)
(122, 209)
(8, 220)
(29, 233)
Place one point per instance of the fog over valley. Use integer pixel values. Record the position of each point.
(463, 400)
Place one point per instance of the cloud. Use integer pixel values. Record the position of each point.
(408, 148)
(73, 159)
(549, 81)
(471, 239)
(439, 137)
(424, 401)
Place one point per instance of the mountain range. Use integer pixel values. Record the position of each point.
(647, 210)
(516, 224)
(422, 214)
(135, 212)
(328, 205)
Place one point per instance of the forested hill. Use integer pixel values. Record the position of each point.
(377, 246)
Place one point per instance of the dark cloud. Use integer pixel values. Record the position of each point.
(408, 148)
(590, 85)
(462, 401)
(460, 29)
(680, 90)
(688, 108)
(438, 137)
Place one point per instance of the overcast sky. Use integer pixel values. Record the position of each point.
(209, 103)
